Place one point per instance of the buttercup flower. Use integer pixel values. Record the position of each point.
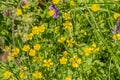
(55, 1)
(32, 53)
(18, 12)
(26, 48)
(48, 63)
(36, 47)
(7, 74)
(68, 78)
(116, 15)
(56, 12)
(37, 75)
(63, 60)
(95, 7)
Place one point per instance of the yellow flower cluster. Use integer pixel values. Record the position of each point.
(88, 50)
(72, 3)
(67, 25)
(75, 60)
(22, 75)
(68, 78)
(51, 12)
(116, 37)
(32, 52)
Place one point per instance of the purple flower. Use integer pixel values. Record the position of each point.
(116, 28)
(56, 12)
(6, 14)
(23, 2)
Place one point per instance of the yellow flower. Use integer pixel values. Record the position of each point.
(10, 57)
(11, 79)
(75, 60)
(37, 59)
(56, 30)
(65, 53)
(84, 32)
(94, 45)
(18, 12)
(26, 48)
(25, 6)
(35, 30)
(70, 42)
(68, 78)
(61, 40)
(116, 15)
(63, 60)
(15, 51)
(116, 0)
(95, 7)
(48, 63)
(7, 74)
(32, 53)
(55, 1)
(29, 36)
(37, 75)
(67, 25)
(87, 51)
(116, 37)
(72, 3)
(7, 48)
(37, 47)
(66, 15)
(22, 75)
(51, 12)
(41, 28)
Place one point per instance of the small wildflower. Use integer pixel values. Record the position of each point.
(15, 51)
(55, 1)
(7, 74)
(29, 36)
(41, 28)
(116, 37)
(32, 53)
(83, 32)
(48, 63)
(65, 53)
(7, 48)
(37, 47)
(51, 12)
(56, 12)
(70, 42)
(22, 75)
(61, 39)
(25, 6)
(87, 51)
(116, 15)
(56, 30)
(12, 79)
(67, 25)
(63, 60)
(35, 30)
(66, 15)
(10, 57)
(26, 48)
(37, 75)
(75, 60)
(68, 78)
(95, 7)
(72, 3)
(116, 0)
(18, 12)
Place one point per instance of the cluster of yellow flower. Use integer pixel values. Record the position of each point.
(89, 50)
